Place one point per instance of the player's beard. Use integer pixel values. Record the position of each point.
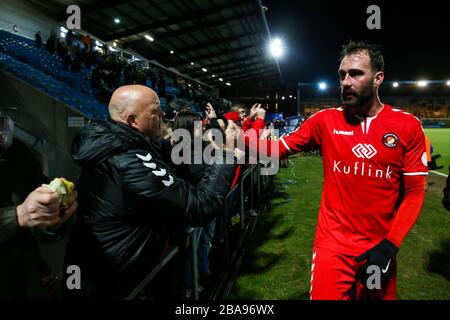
(357, 100)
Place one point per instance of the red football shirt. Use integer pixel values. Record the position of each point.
(364, 160)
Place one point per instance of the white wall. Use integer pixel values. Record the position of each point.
(28, 20)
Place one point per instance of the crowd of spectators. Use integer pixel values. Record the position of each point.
(249, 120)
(428, 110)
(108, 69)
(420, 109)
(175, 282)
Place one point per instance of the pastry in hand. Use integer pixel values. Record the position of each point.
(63, 188)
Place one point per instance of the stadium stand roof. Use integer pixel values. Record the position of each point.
(226, 37)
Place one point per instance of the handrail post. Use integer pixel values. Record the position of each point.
(241, 211)
(226, 227)
(259, 178)
(194, 242)
(252, 188)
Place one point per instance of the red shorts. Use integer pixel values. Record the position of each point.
(333, 278)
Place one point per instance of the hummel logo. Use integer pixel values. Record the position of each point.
(342, 132)
(150, 165)
(364, 151)
(159, 173)
(146, 158)
(168, 183)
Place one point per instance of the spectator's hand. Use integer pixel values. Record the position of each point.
(173, 142)
(209, 138)
(69, 210)
(254, 110)
(232, 134)
(41, 209)
(210, 112)
(266, 133)
(261, 113)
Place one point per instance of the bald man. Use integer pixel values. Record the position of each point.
(129, 198)
(138, 107)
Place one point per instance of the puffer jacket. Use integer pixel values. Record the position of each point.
(446, 191)
(129, 202)
(21, 260)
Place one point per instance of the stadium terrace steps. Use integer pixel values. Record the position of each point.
(20, 57)
(45, 71)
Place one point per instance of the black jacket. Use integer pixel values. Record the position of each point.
(21, 265)
(193, 172)
(129, 201)
(446, 199)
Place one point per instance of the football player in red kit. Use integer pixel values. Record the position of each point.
(372, 153)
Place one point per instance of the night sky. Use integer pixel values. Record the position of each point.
(414, 37)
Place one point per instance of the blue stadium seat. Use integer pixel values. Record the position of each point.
(45, 71)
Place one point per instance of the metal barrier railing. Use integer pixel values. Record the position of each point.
(257, 183)
(195, 234)
(172, 252)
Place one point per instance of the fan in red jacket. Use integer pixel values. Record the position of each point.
(249, 126)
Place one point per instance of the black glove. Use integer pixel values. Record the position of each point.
(381, 256)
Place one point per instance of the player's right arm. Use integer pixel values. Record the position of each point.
(305, 138)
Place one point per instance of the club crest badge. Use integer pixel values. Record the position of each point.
(390, 140)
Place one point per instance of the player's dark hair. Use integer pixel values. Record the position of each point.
(376, 58)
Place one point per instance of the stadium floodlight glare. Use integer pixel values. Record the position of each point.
(290, 96)
(213, 76)
(189, 85)
(149, 38)
(192, 63)
(323, 86)
(395, 84)
(172, 52)
(276, 48)
(114, 44)
(282, 98)
(422, 83)
(116, 20)
(220, 79)
(228, 84)
(204, 70)
(448, 83)
(63, 35)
